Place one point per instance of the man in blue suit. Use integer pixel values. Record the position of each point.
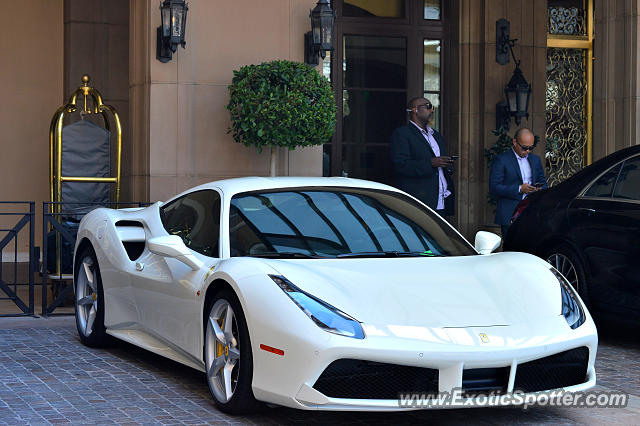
(514, 174)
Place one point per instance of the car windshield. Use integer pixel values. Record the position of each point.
(316, 222)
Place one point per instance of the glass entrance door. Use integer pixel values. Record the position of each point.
(374, 94)
(387, 51)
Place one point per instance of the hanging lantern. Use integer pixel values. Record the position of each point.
(171, 32)
(319, 40)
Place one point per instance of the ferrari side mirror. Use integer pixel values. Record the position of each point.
(173, 246)
(486, 242)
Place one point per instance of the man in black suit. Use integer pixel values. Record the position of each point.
(419, 158)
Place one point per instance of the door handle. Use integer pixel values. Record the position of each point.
(587, 210)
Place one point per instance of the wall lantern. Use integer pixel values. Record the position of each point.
(517, 91)
(320, 39)
(170, 34)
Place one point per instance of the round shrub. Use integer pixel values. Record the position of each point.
(281, 103)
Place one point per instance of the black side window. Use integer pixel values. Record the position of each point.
(603, 187)
(196, 219)
(628, 185)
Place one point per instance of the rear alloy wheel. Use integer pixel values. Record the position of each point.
(568, 264)
(228, 359)
(89, 300)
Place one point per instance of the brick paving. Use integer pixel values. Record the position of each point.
(48, 377)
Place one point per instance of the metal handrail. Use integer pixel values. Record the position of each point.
(13, 232)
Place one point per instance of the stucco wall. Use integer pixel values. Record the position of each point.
(179, 107)
(31, 42)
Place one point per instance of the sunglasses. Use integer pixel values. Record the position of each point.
(525, 148)
(428, 105)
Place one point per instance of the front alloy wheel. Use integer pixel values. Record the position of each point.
(228, 357)
(568, 264)
(564, 265)
(223, 351)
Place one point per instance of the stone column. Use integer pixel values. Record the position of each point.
(96, 42)
(478, 84)
(141, 46)
(616, 88)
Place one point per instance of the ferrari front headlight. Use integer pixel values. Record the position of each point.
(325, 316)
(571, 307)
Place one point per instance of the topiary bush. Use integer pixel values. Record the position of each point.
(281, 103)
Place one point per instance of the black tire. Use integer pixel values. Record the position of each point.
(89, 299)
(565, 260)
(241, 399)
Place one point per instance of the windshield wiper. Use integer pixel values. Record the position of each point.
(391, 253)
(286, 255)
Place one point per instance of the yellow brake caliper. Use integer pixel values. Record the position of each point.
(219, 346)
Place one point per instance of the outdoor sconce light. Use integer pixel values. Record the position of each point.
(170, 34)
(517, 91)
(320, 39)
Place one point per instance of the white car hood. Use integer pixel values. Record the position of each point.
(494, 290)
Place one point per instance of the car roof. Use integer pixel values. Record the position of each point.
(234, 186)
(587, 174)
(620, 154)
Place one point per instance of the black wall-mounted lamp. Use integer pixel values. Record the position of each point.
(517, 91)
(170, 34)
(319, 40)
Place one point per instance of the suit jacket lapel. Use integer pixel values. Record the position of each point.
(423, 140)
(515, 165)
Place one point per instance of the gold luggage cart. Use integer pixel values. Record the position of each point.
(88, 102)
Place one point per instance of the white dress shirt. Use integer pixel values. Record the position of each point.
(443, 192)
(525, 169)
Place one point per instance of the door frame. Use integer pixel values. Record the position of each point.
(415, 29)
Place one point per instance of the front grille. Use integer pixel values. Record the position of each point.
(556, 371)
(485, 380)
(352, 378)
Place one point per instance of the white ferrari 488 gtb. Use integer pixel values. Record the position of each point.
(327, 293)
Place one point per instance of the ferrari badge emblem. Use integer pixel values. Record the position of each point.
(484, 338)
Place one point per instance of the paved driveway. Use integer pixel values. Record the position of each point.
(47, 377)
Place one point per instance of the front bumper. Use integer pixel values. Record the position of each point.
(289, 380)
